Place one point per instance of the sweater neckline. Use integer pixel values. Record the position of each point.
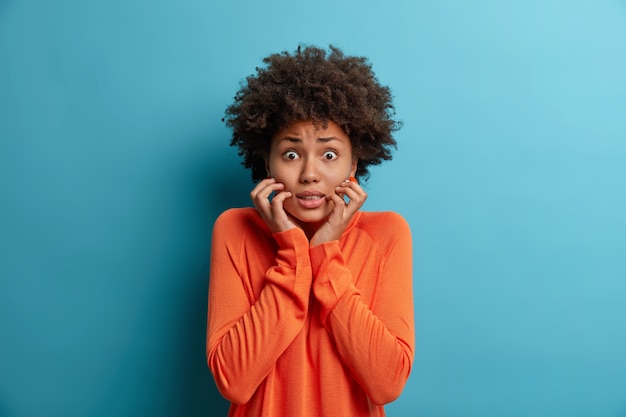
(353, 222)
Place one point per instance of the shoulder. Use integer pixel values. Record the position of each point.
(384, 225)
(383, 220)
(238, 221)
(388, 232)
(236, 214)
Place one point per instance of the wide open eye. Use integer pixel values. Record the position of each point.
(291, 155)
(330, 155)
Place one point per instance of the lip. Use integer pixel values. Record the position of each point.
(311, 199)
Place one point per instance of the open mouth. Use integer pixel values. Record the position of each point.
(311, 199)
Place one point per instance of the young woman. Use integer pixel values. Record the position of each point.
(310, 299)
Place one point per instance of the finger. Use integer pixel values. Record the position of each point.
(352, 185)
(356, 199)
(353, 195)
(263, 193)
(259, 187)
(336, 198)
(280, 198)
(260, 197)
(279, 215)
(352, 192)
(263, 183)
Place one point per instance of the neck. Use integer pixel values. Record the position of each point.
(310, 228)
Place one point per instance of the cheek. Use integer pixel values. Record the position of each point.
(340, 174)
(274, 169)
(283, 175)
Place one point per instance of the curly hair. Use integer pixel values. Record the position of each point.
(313, 84)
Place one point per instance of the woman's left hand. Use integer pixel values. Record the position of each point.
(342, 213)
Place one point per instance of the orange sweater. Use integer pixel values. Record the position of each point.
(300, 331)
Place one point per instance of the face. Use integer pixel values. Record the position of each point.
(311, 162)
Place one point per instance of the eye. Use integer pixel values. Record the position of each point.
(291, 155)
(330, 155)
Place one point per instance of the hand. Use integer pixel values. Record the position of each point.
(272, 212)
(342, 213)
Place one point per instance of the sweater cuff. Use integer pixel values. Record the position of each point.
(332, 279)
(293, 248)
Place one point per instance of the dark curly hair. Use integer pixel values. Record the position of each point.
(313, 84)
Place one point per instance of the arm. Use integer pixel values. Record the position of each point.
(245, 337)
(377, 345)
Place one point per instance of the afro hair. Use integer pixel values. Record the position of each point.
(318, 85)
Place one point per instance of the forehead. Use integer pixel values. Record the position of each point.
(308, 130)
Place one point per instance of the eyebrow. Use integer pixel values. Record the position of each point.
(298, 140)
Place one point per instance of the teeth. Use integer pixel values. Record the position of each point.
(311, 197)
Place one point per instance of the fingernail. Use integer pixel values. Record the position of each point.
(353, 179)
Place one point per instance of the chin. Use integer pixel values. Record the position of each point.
(309, 216)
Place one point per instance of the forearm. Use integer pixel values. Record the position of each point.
(376, 343)
(241, 358)
(378, 359)
(249, 330)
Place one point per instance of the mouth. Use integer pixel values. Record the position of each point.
(310, 195)
(311, 199)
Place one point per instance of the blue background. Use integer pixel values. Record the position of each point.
(511, 170)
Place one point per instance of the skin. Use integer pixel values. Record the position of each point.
(309, 169)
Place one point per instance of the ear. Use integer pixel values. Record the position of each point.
(267, 168)
(355, 163)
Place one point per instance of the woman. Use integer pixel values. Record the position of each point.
(310, 299)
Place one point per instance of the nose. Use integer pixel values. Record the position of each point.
(310, 172)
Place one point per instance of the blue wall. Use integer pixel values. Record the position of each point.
(511, 170)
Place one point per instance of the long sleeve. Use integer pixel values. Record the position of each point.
(248, 330)
(376, 342)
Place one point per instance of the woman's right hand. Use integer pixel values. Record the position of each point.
(272, 211)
